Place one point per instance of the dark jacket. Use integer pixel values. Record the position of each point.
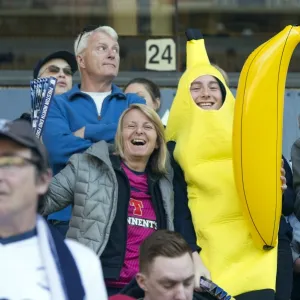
(295, 155)
(288, 200)
(289, 196)
(182, 216)
(112, 258)
(25, 116)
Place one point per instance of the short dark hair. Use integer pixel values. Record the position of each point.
(149, 85)
(164, 243)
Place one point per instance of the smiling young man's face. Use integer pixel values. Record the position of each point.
(206, 92)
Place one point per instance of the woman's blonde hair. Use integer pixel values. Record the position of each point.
(157, 160)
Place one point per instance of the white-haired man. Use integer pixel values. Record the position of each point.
(90, 111)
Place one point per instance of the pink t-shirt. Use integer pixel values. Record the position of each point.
(141, 222)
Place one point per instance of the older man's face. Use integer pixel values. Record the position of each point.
(101, 58)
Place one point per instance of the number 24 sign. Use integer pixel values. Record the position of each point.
(161, 55)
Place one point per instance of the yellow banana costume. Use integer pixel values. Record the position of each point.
(257, 134)
(204, 152)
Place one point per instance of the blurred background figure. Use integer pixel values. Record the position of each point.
(62, 65)
(146, 89)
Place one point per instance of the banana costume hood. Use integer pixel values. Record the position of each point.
(204, 152)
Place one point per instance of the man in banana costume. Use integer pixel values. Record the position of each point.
(200, 123)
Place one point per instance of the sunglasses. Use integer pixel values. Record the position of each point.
(55, 70)
(12, 163)
(85, 30)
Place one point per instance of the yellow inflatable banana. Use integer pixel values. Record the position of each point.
(257, 134)
(204, 152)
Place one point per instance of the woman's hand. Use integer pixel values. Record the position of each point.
(282, 177)
(200, 270)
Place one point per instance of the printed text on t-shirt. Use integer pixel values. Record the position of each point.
(138, 211)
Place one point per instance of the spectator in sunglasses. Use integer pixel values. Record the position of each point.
(61, 65)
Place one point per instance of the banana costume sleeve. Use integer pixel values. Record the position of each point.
(204, 152)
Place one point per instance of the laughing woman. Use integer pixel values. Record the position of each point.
(120, 194)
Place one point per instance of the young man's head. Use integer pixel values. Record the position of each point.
(61, 65)
(166, 267)
(24, 174)
(208, 92)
